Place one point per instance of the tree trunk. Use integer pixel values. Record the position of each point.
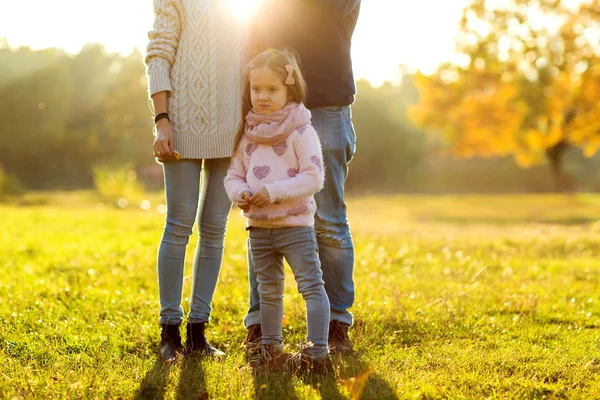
(555, 156)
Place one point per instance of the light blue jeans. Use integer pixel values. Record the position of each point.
(298, 245)
(194, 193)
(336, 250)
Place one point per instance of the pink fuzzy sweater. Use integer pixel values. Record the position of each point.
(280, 151)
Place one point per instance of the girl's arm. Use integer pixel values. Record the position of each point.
(310, 176)
(162, 47)
(235, 181)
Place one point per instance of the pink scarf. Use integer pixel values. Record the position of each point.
(273, 128)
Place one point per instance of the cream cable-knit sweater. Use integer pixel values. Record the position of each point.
(195, 53)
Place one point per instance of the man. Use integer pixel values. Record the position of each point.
(320, 31)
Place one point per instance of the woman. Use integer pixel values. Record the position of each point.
(193, 60)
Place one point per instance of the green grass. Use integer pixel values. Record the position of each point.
(457, 297)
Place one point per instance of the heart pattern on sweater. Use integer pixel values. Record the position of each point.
(281, 148)
(261, 171)
(317, 161)
(292, 172)
(251, 148)
(302, 129)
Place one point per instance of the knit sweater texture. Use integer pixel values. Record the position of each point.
(281, 152)
(195, 53)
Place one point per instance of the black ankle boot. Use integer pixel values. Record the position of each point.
(196, 340)
(170, 342)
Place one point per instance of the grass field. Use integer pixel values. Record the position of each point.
(458, 297)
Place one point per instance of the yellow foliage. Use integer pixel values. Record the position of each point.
(592, 147)
(500, 109)
(524, 159)
(534, 140)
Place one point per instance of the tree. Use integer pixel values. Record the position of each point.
(62, 115)
(526, 82)
(390, 148)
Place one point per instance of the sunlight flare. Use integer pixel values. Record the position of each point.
(243, 8)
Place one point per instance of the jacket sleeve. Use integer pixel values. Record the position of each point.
(341, 8)
(162, 45)
(235, 181)
(310, 176)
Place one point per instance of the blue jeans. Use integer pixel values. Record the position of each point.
(298, 245)
(188, 202)
(336, 250)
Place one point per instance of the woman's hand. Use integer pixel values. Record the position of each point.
(163, 143)
(261, 198)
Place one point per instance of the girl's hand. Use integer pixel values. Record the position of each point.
(261, 198)
(163, 143)
(245, 195)
(244, 205)
(244, 202)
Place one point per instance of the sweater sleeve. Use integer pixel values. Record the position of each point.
(310, 176)
(235, 181)
(162, 45)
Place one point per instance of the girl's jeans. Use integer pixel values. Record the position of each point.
(189, 198)
(336, 250)
(298, 245)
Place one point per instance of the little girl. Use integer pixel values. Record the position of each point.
(276, 169)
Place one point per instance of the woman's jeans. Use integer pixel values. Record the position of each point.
(298, 245)
(194, 193)
(336, 250)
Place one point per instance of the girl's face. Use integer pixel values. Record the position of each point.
(268, 93)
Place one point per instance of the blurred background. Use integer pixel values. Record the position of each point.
(454, 96)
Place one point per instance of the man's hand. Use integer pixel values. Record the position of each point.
(261, 198)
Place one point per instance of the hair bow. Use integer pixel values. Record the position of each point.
(290, 77)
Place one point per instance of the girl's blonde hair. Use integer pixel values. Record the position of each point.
(276, 61)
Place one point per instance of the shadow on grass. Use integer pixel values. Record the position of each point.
(325, 384)
(359, 379)
(154, 384)
(273, 385)
(192, 379)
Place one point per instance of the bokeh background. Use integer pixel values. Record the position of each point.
(482, 96)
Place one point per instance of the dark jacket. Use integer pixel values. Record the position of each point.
(320, 31)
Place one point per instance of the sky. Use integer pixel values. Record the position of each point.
(419, 33)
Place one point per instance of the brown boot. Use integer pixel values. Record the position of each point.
(338, 340)
(196, 341)
(253, 337)
(305, 363)
(268, 357)
(170, 342)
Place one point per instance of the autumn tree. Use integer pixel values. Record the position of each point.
(525, 81)
(62, 115)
